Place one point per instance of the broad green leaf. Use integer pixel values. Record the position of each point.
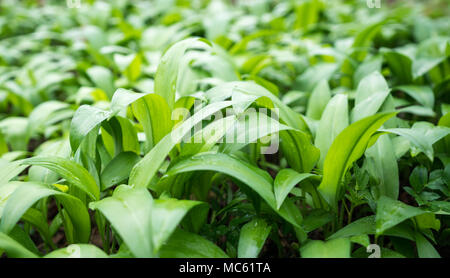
(370, 95)
(424, 248)
(168, 70)
(300, 153)
(348, 146)
(206, 138)
(366, 68)
(56, 147)
(400, 64)
(37, 219)
(14, 249)
(5, 191)
(391, 212)
(316, 219)
(154, 114)
(166, 216)
(307, 13)
(226, 90)
(41, 114)
(318, 100)
(255, 178)
(362, 226)
(102, 78)
(335, 248)
(183, 244)
(428, 221)
(422, 65)
(383, 165)
(129, 210)
(121, 99)
(334, 119)
(129, 138)
(313, 75)
(364, 39)
(23, 238)
(144, 171)
(73, 172)
(422, 94)
(249, 127)
(129, 65)
(252, 238)
(77, 251)
(15, 131)
(86, 118)
(9, 170)
(418, 178)
(118, 169)
(28, 193)
(285, 180)
(422, 136)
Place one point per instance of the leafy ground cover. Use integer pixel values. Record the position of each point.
(127, 129)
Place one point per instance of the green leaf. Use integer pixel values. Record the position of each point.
(424, 247)
(422, 136)
(144, 171)
(77, 251)
(335, 248)
(102, 78)
(121, 99)
(118, 169)
(422, 94)
(166, 215)
(418, 178)
(28, 193)
(183, 244)
(56, 147)
(41, 114)
(370, 95)
(73, 172)
(129, 138)
(86, 118)
(168, 71)
(316, 219)
(391, 212)
(348, 146)
(399, 64)
(13, 249)
(285, 180)
(383, 165)
(15, 131)
(300, 153)
(362, 226)
(427, 221)
(9, 170)
(318, 100)
(129, 210)
(228, 89)
(257, 179)
(154, 114)
(252, 238)
(366, 68)
(129, 65)
(5, 191)
(334, 119)
(23, 238)
(3, 145)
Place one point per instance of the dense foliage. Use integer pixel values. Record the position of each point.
(112, 115)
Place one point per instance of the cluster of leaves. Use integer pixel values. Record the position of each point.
(93, 162)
